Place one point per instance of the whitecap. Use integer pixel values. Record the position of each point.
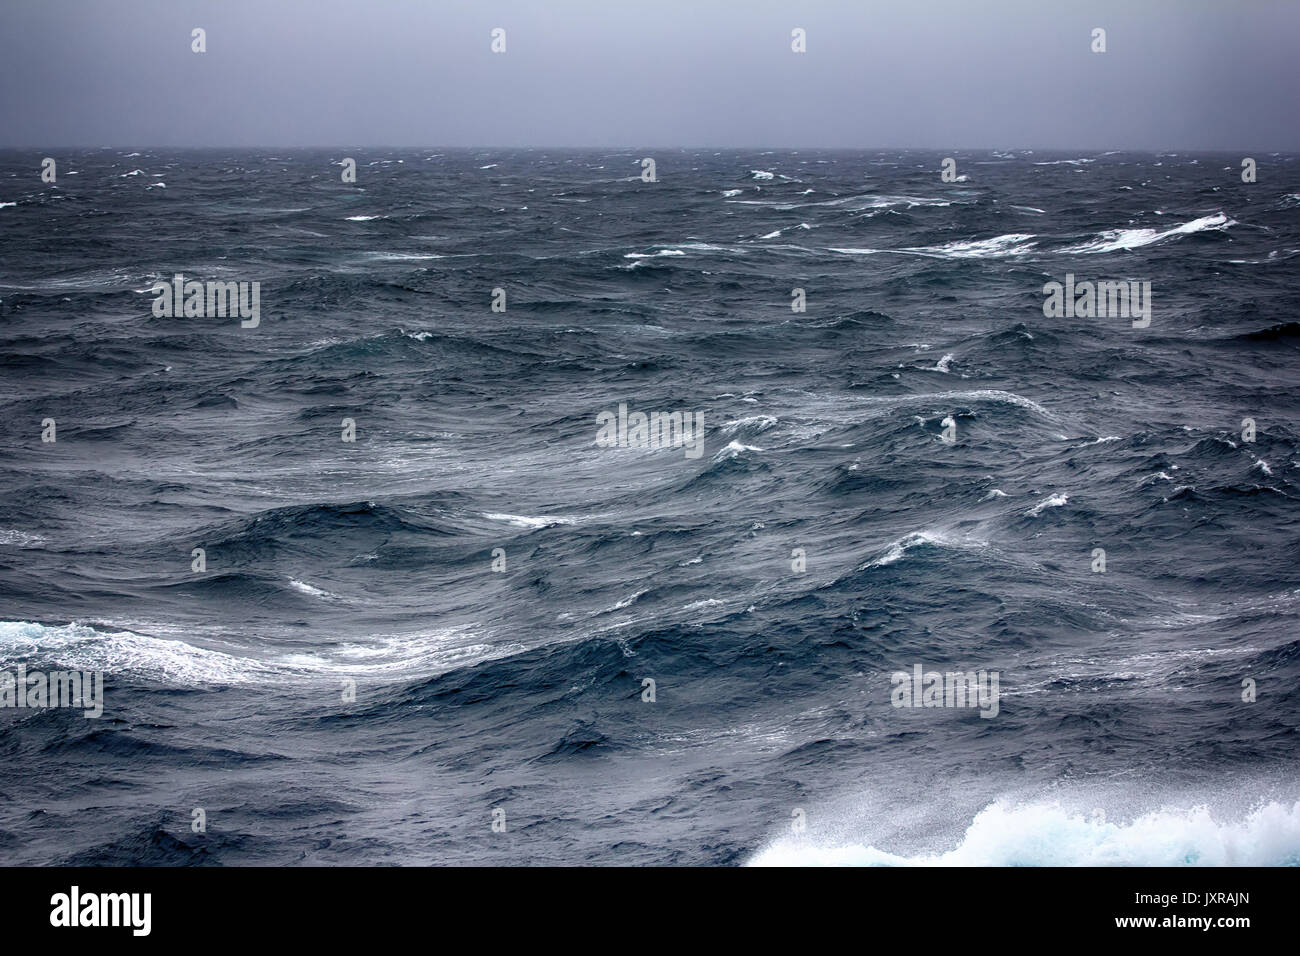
(733, 449)
(757, 422)
(654, 255)
(1116, 240)
(306, 588)
(626, 602)
(898, 548)
(1054, 501)
(523, 521)
(1046, 834)
(20, 538)
(1011, 244)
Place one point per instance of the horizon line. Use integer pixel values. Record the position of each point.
(620, 148)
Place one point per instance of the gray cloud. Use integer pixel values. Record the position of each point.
(943, 75)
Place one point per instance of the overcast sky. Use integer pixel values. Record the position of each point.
(942, 74)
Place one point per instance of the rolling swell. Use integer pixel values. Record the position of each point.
(522, 684)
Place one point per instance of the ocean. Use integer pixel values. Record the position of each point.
(547, 511)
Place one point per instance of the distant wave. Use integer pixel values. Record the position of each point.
(311, 590)
(733, 449)
(1025, 244)
(1055, 501)
(404, 256)
(523, 521)
(858, 203)
(176, 662)
(654, 255)
(1115, 240)
(1012, 244)
(933, 538)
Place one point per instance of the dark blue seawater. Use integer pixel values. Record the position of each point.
(1121, 735)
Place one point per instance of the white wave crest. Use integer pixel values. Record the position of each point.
(932, 537)
(733, 450)
(305, 588)
(859, 203)
(1116, 240)
(79, 647)
(1045, 834)
(1012, 244)
(1055, 501)
(760, 423)
(21, 539)
(654, 255)
(118, 652)
(523, 521)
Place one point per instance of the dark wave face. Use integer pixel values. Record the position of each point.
(620, 653)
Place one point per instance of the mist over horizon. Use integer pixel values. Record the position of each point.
(575, 74)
